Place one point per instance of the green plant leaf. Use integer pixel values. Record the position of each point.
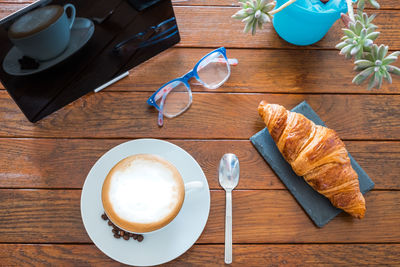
(374, 52)
(359, 55)
(393, 69)
(248, 19)
(251, 4)
(363, 63)
(260, 25)
(375, 4)
(248, 26)
(355, 50)
(389, 60)
(387, 76)
(361, 5)
(241, 14)
(394, 54)
(358, 27)
(254, 27)
(346, 50)
(349, 41)
(341, 45)
(363, 33)
(374, 81)
(373, 35)
(380, 80)
(371, 18)
(368, 56)
(382, 51)
(362, 76)
(368, 43)
(268, 7)
(349, 33)
(262, 3)
(352, 26)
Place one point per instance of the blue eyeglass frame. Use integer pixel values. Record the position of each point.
(152, 101)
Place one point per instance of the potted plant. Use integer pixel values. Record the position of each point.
(304, 22)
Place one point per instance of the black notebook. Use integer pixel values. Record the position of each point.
(108, 38)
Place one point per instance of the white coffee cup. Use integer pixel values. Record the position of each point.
(43, 33)
(143, 193)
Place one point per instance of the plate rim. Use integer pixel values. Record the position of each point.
(190, 157)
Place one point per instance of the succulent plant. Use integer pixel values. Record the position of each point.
(377, 66)
(254, 13)
(359, 36)
(358, 41)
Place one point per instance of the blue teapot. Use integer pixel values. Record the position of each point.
(306, 21)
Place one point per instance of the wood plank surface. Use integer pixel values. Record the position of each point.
(220, 30)
(274, 71)
(45, 163)
(196, 31)
(259, 216)
(211, 255)
(385, 4)
(106, 114)
(285, 71)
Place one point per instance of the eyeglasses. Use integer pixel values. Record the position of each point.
(150, 36)
(175, 97)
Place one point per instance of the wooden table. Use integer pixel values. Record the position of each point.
(43, 166)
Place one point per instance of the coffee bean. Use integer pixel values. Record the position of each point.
(135, 236)
(104, 217)
(121, 233)
(110, 223)
(114, 231)
(117, 236)
(126, 237)
(130, 234)
(140, 238)
(116, 227)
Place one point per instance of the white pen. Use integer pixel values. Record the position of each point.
(119, 77)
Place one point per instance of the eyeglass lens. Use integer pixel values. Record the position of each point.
(213, 70)
(176, 99)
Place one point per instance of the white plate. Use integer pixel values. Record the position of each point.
(161, 246)
(81, 32)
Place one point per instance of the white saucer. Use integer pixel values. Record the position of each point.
(81, 32)
(161, 246)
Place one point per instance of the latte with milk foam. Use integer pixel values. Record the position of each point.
(35, 21)
(143, 193)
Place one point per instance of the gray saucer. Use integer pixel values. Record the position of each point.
(81, 32)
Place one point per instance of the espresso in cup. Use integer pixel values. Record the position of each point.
(143, 193)
(43, 33)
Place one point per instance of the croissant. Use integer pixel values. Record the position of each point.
(316, 153)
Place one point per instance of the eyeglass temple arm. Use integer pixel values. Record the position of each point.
(165, 90)
(160, 119)
(233, 61)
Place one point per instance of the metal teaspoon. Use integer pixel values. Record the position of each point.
(228, 179)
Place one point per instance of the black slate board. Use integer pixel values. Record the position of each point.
(318, 207)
